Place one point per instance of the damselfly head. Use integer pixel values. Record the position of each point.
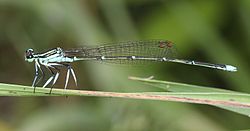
(29, 55)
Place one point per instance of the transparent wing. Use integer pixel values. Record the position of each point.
(147, 49)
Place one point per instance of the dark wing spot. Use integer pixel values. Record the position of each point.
(169, 44)
(164, 44)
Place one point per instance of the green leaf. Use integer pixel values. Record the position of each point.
(230, 100)
(226, 99)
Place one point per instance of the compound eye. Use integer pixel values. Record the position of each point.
(29, 53)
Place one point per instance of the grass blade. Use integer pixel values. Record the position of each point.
(237, 102)
(205, 95)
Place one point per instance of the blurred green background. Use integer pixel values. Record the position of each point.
(210, 31)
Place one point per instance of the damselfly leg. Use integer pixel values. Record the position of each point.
(37, 77)
(55, 72)
(69, 71)
(54, 76)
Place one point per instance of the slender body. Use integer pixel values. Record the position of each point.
(121, 53)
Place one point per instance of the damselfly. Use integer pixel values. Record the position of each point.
(123, 53)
